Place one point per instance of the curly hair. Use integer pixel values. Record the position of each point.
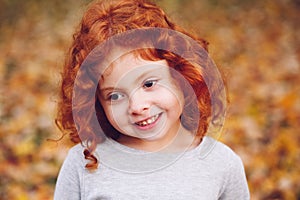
(107, 18)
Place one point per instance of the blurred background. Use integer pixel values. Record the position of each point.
(255, 43)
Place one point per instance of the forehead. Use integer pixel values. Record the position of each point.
(131, 65)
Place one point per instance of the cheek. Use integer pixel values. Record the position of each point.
(109, 114)
(115, 115)
(171, 98)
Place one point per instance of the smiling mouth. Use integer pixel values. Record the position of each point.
(148, 121)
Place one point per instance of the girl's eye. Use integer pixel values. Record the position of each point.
(149, 83)
(115, 96)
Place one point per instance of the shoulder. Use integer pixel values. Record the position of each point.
(228, 166)
(69, 179)
(210, 145)
(75, 156)
(73, 165)
(76, 149)
(211, 148)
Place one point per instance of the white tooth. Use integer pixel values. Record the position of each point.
(148, 121)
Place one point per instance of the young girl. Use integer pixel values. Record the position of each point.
(140, 96)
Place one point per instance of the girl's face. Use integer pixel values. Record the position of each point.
(141, 100)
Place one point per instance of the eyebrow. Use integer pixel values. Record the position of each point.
(109, 89)
(139, 78)
(145, 74)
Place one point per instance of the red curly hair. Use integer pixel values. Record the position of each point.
(107, 18)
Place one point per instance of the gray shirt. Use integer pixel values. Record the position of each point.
(210, 171)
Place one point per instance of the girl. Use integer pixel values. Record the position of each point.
(139, 94)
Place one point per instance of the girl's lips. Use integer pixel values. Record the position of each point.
(149, 122)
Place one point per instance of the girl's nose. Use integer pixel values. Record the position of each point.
(138, 103)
